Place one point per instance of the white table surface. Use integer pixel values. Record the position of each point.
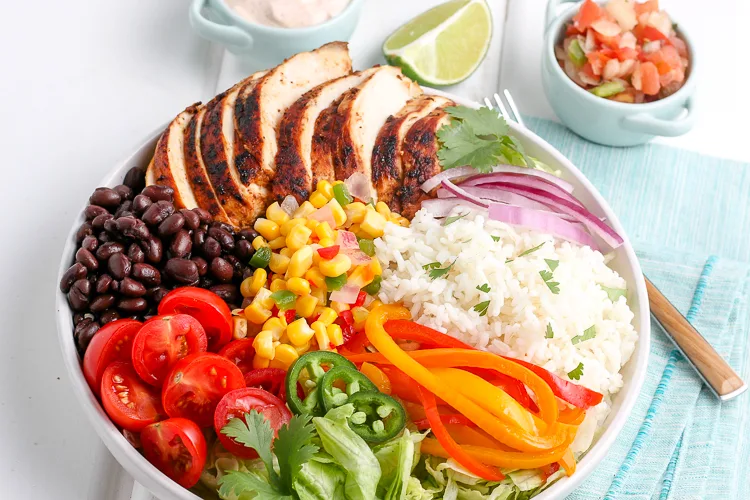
(82, 82)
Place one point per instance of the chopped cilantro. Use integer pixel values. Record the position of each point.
(553, 286)
(549, 334)
(588, 334)
(454, 218)
(552, 264)
(576, 373)
(496, 238)
(531, 250)
(436, 271)
(484, 288)
(481, 308)
(614, 293)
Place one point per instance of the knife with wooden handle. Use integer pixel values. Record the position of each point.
(715, 372)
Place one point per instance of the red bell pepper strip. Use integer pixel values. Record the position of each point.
(401, 329)
(577, 395)
(328, 253)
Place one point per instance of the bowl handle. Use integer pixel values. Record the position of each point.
(233, 36)
(553, 7)
(649, 124)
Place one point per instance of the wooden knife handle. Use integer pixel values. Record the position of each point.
(712, 368)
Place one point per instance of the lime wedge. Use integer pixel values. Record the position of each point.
(444, 45)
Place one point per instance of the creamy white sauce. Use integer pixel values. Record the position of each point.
(288, 13)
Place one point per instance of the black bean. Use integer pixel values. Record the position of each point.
(87, 259)
(92, 211)
(105, 197)
(182, 271)
(247, 234)
(203, 214)
(110, 225)
(152, 247)
(211, 248)
(171, 224)
(74, 273)
(102, 303)
(223, 236)
(135, 254)
(206, 281)
(132, 305)
(78, 297)
(147, 274)
(247, 273)
(104, 237)
(157, 212)
(141, 203)
(125, 191)
(156, 293)
(114, 285)
(131, 227)
(90, 243)
(230, 293)
(157, 193)
(135, 178)
(222, 225)
(126, 208)
(108, 249)
(84, 332)
(108, 316)
(244, 250)
(86, 229)
(78, 317)
(199, 238)
(100, 221)
(119, 266)
(222, 270)
(103, 283)
(181, 244)
(202, 265)
(192, 221)
(131, 288)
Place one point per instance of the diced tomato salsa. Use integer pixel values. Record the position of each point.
(624, 51)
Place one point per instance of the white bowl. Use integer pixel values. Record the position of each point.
(624, 262)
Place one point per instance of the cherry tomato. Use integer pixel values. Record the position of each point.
(176, 447)
(207, 307)
(128, 401)
(328, 253)
(195, 385)
(269, 379)
(164, 340)
(238, 402)
(588, 13)
(111, 343)
(241, 353)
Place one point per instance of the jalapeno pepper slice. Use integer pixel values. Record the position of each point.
(377, 417)
(332, 396)
(315, 364)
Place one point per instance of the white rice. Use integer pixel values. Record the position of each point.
(521, 303)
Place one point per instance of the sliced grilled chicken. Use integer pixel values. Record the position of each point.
(218, 140)
(295, 174)
(168, 165)
(387, 171)
(362, 112)
(419, 160)
(260, 106)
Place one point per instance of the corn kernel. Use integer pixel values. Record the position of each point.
(375, 266)
(263, 345)
(326, 242)
(300, 263)
(252, 284)
(373, 225)
(267, 228)
(305, 305)
(284, 356)
(336, 266)
(288, 225)
(287, 252)
(302, 349)
(304, 210)
(320, 294)
(263, 297)
(321, 336)
(361, 276)
(277, 214)
(277, 243)
(326, 188)
(383, 210)
(312, 224)
(298, 236)
(328, 316)
(259, 362)
(318, 199)
(298, 286)
(339, 307)
(314, 276)
(278, 263)
(339, 216)
(354, 228)
(355, 212)
(276, 326)
(258, 242)
(278, 284)
(375, 304)
(299, 332)
(335, 334)
(239, 327)
(323, 230)
(359, 314)
(256, 313)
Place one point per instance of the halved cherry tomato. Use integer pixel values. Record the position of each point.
(241, 353)
(164, 340)
(111, 343)
(648, 33)
(269, 379)
(128, 401)
(328, 253)
(176, 447)
(196, 384)
(587, 14)
(207, 307)
(238, 402)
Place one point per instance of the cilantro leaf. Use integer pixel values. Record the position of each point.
(431, 265)
(549, 334)
(454, 218)
(484, 288)
(496, 238)
(552, 264)
(247, 485)
(482, 307)
(437, 272)
(254, 432)
(588, 334)
(576, 373)
(532, 250)
(553, 286)
(293, 447)
(614, 293)
(461, 146)
(483, 120)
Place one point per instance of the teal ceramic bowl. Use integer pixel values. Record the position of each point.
(601, 120)
(268, 45)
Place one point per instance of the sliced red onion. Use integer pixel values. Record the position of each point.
(349, 246)
(324, 214)
(454, 173)
(487, 180)
(346, 295)
(462, 194)
(289, 205)
(443, 207)
(359, 186)
(544, 222)
(451, 173)
(497, 195)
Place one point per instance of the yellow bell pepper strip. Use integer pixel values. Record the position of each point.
(568, 462)
(498, 458)
(456, 452)
(377, 377)
(512, 435)
(464, 434)
(572, 416)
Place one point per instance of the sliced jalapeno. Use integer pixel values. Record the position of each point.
(314, 364)
(330, 393)
(377, 417)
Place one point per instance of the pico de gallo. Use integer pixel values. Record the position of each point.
(624, 51)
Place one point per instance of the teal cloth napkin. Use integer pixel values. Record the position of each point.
(678, 208)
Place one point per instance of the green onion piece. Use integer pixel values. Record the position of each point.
(341, 193)
(608, 89)
(576, 54)
(261, 257)
(374, 287)
(284, 299)
(367, 246)
(336, 283)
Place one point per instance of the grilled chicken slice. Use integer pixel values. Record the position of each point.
(295, 174)
(419, 160)
(218, 139)
(168, 164)
(260, 106)
(387, 171)
(362, 112)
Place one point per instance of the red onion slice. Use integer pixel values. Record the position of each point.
(454, 173)
(442, 207)
(462, 194)
(324, 214)
(544, 222)
(359, 186)
(451, 173)
(349, 246)
(346, 295)
(489, 180)
(496, 195)
(289, 205)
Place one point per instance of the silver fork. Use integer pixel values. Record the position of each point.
(710, 366)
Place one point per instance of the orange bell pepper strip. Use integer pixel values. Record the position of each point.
(572, 416)
(498, 458)
(464, 434)
(568, 462)
(447, 418)
(377, 377)
(456, 451)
